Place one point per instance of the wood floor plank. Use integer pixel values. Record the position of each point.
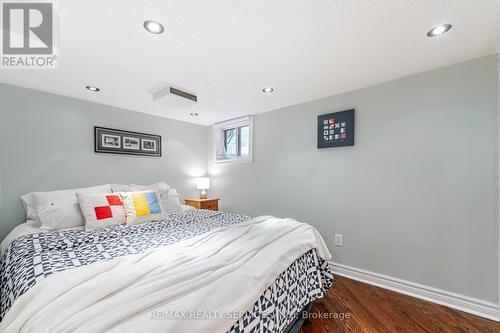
(372, 309)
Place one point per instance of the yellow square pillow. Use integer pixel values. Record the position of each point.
(143, 206)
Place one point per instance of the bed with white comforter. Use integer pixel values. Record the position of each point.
(197, 271)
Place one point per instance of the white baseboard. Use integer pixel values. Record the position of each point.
(471, 305)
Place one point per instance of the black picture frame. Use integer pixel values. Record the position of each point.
(116, 141)
(336, 129)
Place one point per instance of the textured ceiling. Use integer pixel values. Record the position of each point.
(227, 51)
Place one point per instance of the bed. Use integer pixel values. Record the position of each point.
(196, 271)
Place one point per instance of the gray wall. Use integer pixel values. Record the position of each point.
(46, 143)
(415, 197)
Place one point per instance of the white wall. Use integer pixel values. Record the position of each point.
(416, 198)
(47, 143)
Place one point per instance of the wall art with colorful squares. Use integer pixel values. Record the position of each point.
(336, 129)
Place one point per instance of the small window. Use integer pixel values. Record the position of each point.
(233, 140)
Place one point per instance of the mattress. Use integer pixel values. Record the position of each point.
(34, 257)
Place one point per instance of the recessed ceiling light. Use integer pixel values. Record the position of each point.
(153, 27)
(268, 90)
(194, 114)
(439, 30)
(92, 88)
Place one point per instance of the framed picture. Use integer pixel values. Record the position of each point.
(131, 143)
(115, 141)
(111, 141)
(148, 145)
(336, 129)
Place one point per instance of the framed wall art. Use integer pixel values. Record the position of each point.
(115, 141)
(336, 129)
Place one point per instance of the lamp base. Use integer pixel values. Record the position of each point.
(203, 194)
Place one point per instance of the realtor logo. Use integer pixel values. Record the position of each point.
(28, 35)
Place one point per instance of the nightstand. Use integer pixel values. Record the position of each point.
(211, 204)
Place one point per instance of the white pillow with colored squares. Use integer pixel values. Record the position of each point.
(101, 210)
(143, 206)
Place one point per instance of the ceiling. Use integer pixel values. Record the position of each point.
(226, 51)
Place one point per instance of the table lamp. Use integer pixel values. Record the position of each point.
(203, 183)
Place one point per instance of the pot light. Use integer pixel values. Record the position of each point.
(268, 90)
(92, 88)
(153, 27)
(439, 30)
(194, 114)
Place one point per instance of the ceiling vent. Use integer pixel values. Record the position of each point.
(173, 97)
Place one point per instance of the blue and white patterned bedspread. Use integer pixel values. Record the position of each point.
(32, 258)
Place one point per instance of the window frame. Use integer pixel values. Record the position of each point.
(219, 130)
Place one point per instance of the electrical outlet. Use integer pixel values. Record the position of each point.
(339, 240)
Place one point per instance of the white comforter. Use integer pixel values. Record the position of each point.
(218, 274)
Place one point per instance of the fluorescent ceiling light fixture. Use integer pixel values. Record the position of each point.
(439, 30)
(193, 114)
(153, 27)
(92, 88)
(268, 90)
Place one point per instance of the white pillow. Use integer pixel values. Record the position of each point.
(59, 214)
(143, 206)
(160, 186)
(101, 210)
(58, 209)
(174, 204)
(120, 188)
(30, 209)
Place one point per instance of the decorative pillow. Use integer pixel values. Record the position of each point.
(60, 208)
(168, 196)
(143, 206)
(162, 188)
(101, 210)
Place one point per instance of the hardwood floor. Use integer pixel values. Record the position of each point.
(373, 309)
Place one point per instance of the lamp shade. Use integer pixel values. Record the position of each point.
(203, 183)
